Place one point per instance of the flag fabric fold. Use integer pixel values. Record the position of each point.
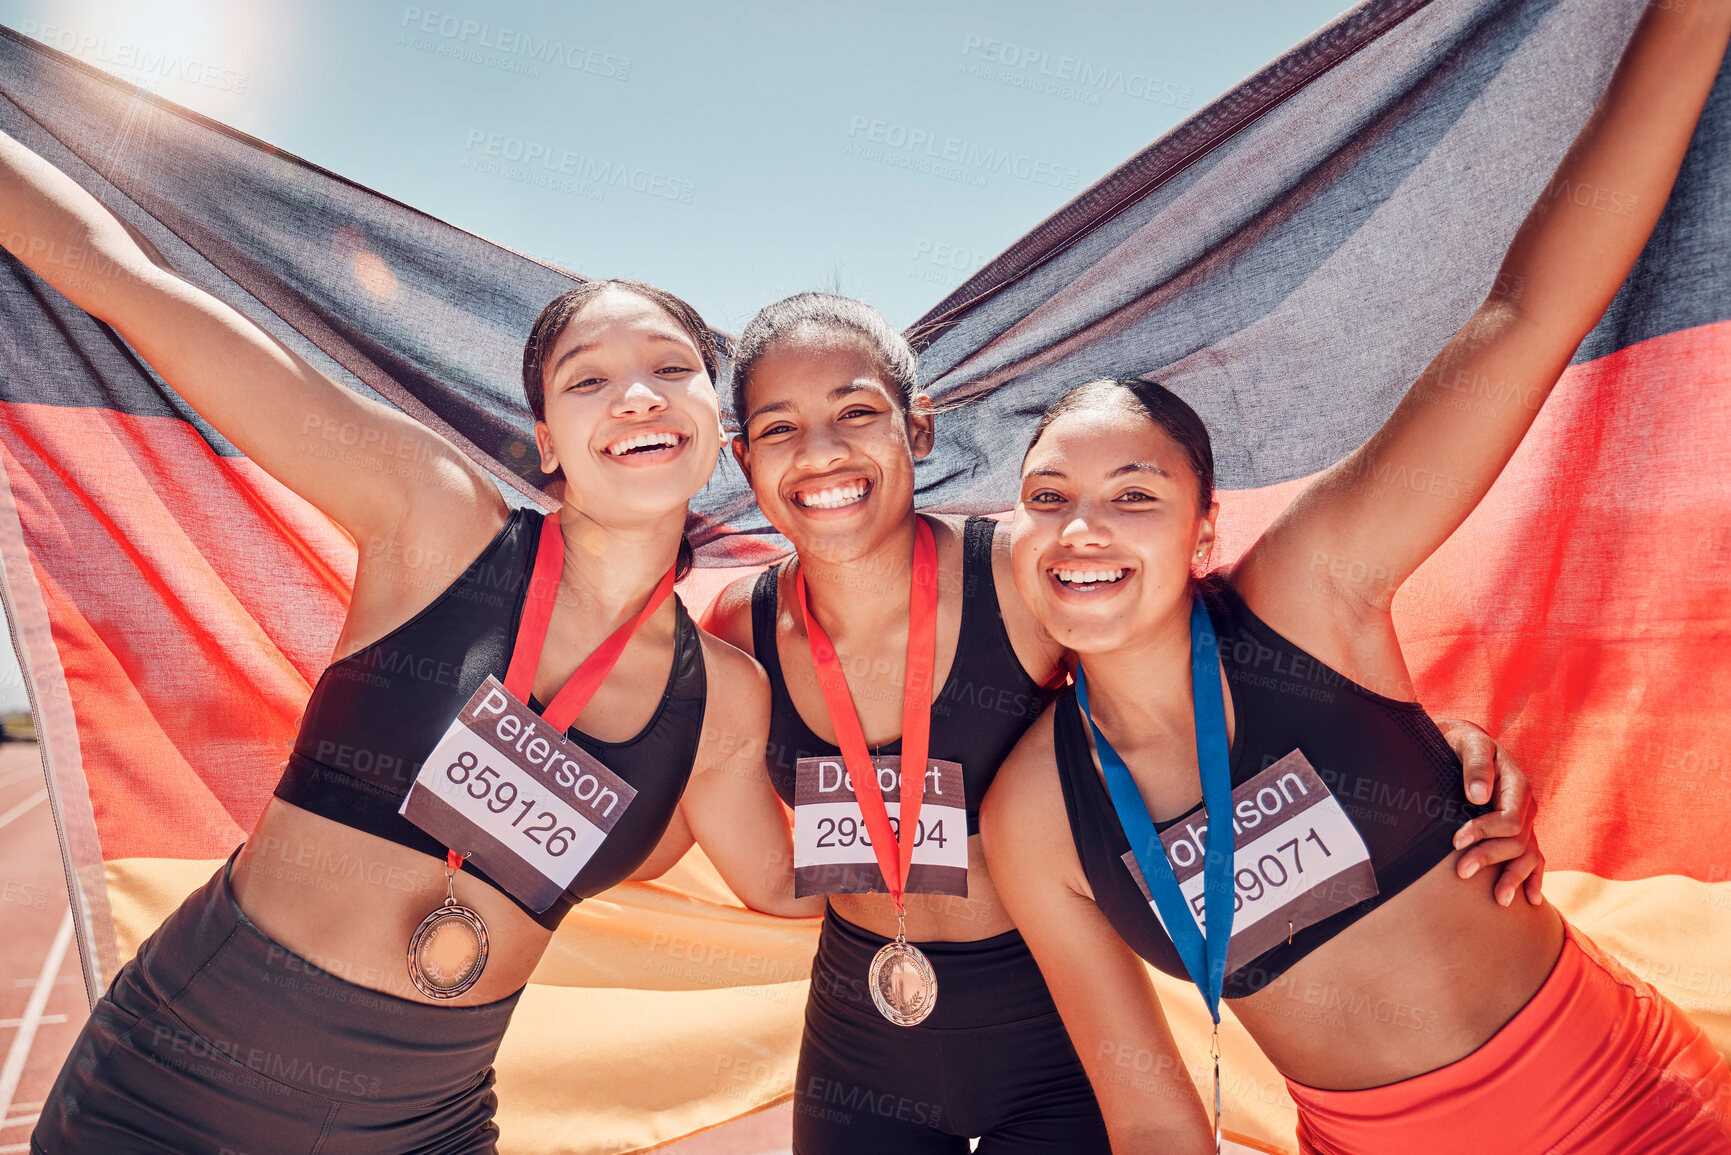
(1288, 260)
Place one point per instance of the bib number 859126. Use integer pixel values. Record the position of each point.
(499, 795)
(518, 798)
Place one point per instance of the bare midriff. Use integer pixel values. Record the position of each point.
(934, 917)
(348, 902)
(1421, 981)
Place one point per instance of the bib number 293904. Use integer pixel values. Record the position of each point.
(832, 851)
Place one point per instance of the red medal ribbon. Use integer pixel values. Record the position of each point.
(916, 714)
(538, 605)
(538, 615)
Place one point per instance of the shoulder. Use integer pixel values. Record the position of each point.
(736, 707)
(453, 518)
(944, 524)
(729, 615)
(1025, 818)
(1026, 786)
(947, 534)
(1006, 577)
(735, 678)
(405, 564)
(1039, 654)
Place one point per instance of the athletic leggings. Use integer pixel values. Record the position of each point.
(217, 1041)
(992, 1061)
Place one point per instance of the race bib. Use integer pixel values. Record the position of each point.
(527, 804)
(1297, 859)
(832, 851)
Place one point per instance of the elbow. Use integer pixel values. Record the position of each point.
(1503, 311)
(1513, 312)
(785, 905)
(775, 894)
(1188, 1134)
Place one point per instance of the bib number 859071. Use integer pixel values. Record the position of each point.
(1269, 873)
(1297, 858)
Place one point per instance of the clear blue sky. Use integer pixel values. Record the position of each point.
(732, 152)
(771, 140)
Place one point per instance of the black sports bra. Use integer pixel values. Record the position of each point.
(374, 715)
(1384, 761)
(986, 703)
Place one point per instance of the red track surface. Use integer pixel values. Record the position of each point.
(41, 1000)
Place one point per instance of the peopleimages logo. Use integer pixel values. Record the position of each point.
(138, 64)
(941, 263)
(582, 174)
(464, 38)
(950, 157)
(1067, 77)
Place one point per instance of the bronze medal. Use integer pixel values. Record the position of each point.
(903, 985)
(902, 982)
(448, 948)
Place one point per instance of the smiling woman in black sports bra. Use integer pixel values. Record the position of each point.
(1460, 1023)
(832, 421)
(275, 1009)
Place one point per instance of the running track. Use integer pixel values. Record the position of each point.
(41, 994)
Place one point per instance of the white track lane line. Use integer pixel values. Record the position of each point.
(26, 1036)
(22, 774)
(23, 807)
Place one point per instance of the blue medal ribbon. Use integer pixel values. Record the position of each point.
(1204, 959)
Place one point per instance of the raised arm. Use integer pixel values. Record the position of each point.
(279, 411)
(1101, 988)
(1569, 257)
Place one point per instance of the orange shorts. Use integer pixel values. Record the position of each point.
(1597, 1063)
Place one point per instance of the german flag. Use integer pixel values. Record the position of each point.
(1288, 260)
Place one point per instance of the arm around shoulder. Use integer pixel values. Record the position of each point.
(729, 804)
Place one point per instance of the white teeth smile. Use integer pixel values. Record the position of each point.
(1087, 579)
(833, 497)
(663, 440)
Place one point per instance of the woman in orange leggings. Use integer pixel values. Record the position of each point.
(1271, 704)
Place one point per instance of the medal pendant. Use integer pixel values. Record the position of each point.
(902, 982)
(448, 948)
